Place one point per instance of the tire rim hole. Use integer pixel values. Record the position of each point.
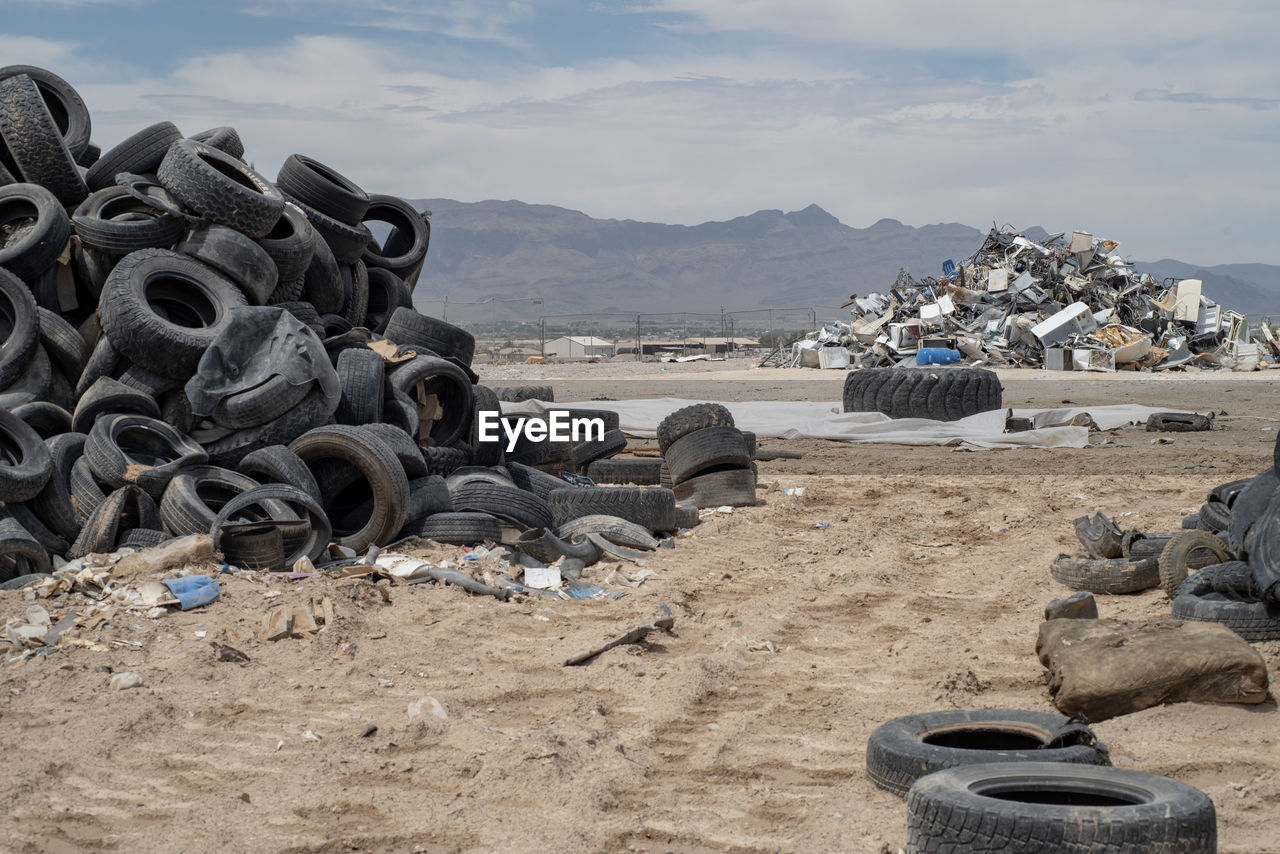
(1065, 797)
(983, 739)
(181, 302)
(229, 171)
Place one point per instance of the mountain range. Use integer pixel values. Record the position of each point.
(576, 263)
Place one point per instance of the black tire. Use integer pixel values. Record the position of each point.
(103, 362)
(1033, 807)
(377, 467)
(316, 542)
(29, 465)
(1227, 492)
(20, 553)
(20, 581)
(387, 292)
(938, 395)
(729, 487)
(194, 497)
(461, 529)
(315, 411)
(64, 343)
(322, 282)
(361, 372)
(287, 291)
(261, 404)
(53, 504)
(1186, 552)
(690, 419)
(112, 220)
(612, 443)
(140, 154)
(1178, 422)
(538, 482)
(650, 507)
(406, 244)
(34, 142)
(407, 326)
(427, 496)
(278, 464)
(444, 460)
(1106, 576)
(505, 501)
(640, 472)
(226, 139)
(355, 290)
(1249, 505)
(50, 540)
(346, 241)
(135, 449)
(488, 453)
(687, 515)
(175, 410)
(87, 492)
(220, 188)
(614, 529)
(526, 450)
(1100, 536)
(905, 749)
(1146, 546)
(1198, 599)
(237, 257)
(64, 104)
(427, 375)
(19, 328)
(521, 393)
(162, 310)
(1214, 517)
(36, 229)
(712, 448)
(47, 419)
(110, 397)
(403, 446)
(142, 538)
(291, 244)
(323, 188)
(123, 510)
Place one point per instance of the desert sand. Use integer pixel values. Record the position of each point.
(903, 580)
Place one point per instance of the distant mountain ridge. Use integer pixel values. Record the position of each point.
(576, 263)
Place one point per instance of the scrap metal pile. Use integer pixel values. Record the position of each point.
(188, 348)
(1068, 302)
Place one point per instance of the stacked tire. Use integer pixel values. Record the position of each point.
(932, 393)
(706, 457)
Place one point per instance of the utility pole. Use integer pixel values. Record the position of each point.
(446, 309)
(639, 347)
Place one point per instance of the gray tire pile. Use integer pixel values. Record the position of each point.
(706, 458)
(119, 268)
(1221, 566)
(1028, 782)
(946, 394)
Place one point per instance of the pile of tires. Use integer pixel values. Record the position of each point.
(707, 459)
(124, 274)
(938, 394)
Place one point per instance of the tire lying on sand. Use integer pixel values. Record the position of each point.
(1024, 808)
(1203, 597)
(939, 395)
(905, 749)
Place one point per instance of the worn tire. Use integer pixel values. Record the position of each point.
(1247, 508)
(279, 495)
(111, 397)
(220, 188)
(322, 282)
(938, 395)
(376, 465)
(706, 450)
(360, 372)
(53, 504)
(278, 464)
(163, 310)
(449, 383)
(610, 444)
(261, 404)
(1214, 517)
(194, 496)
(905, 749)
(638, 472)
(47, 419)
(650, 507)
(521, 393)
(240, 259)
(1199, 600)
(36, 230)
(1188, 551)
(34, 142)
(405, 247)
(112, 220)
(225, 138)
(29, 464)
(461, 529)
(505, 501)
(1106, 576)
(135, 449)
(538, 482)
(291, 244)
(427, 496)
(22, 325)
(64, 104)
(20, 553)
(387, 292)
(407, 326)
(346, 241)
(613, 528)
(729, 487)
(323, 188)
(690, 419)
(1035, 807)
(139, 154)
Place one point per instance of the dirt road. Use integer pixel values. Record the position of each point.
(903, 580)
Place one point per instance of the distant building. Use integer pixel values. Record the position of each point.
(690, 346)
(579, 347)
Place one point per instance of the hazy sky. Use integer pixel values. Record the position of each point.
(1153, 123)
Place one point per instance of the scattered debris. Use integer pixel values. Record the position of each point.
(663, 622)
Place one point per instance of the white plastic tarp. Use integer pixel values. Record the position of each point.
(789, 419)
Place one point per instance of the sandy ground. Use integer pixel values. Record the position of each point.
(903, 580)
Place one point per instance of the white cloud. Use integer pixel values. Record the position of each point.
(1160, 134)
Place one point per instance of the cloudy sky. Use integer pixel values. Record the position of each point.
(1152, 122)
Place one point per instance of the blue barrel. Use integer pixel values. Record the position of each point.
(937, 356)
